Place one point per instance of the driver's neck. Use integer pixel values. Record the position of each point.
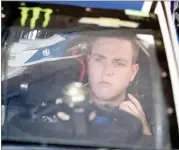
(113, 102)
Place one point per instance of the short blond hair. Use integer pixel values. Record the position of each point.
(126, 36)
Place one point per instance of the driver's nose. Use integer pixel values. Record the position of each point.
(108, 69)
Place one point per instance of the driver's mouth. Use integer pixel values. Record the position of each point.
(105, 83)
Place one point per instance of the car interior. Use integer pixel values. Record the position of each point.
(37, 88)
(37, 85)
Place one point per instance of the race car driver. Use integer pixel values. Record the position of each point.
(111, 69)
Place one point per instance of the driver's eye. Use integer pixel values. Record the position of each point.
(98, 59)
(119, 64)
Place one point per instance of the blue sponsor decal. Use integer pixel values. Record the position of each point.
(100, 120)
(53, 51)
(121, 5)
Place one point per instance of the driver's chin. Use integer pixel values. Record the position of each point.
(104, 95)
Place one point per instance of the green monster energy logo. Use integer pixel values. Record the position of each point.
(35, 15)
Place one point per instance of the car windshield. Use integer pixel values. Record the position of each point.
(92, 78)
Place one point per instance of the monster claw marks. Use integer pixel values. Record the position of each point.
(35, 15)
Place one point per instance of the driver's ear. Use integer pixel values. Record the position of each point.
(88, 57)
(135, 69)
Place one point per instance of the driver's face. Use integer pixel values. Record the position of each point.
(110, 67)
